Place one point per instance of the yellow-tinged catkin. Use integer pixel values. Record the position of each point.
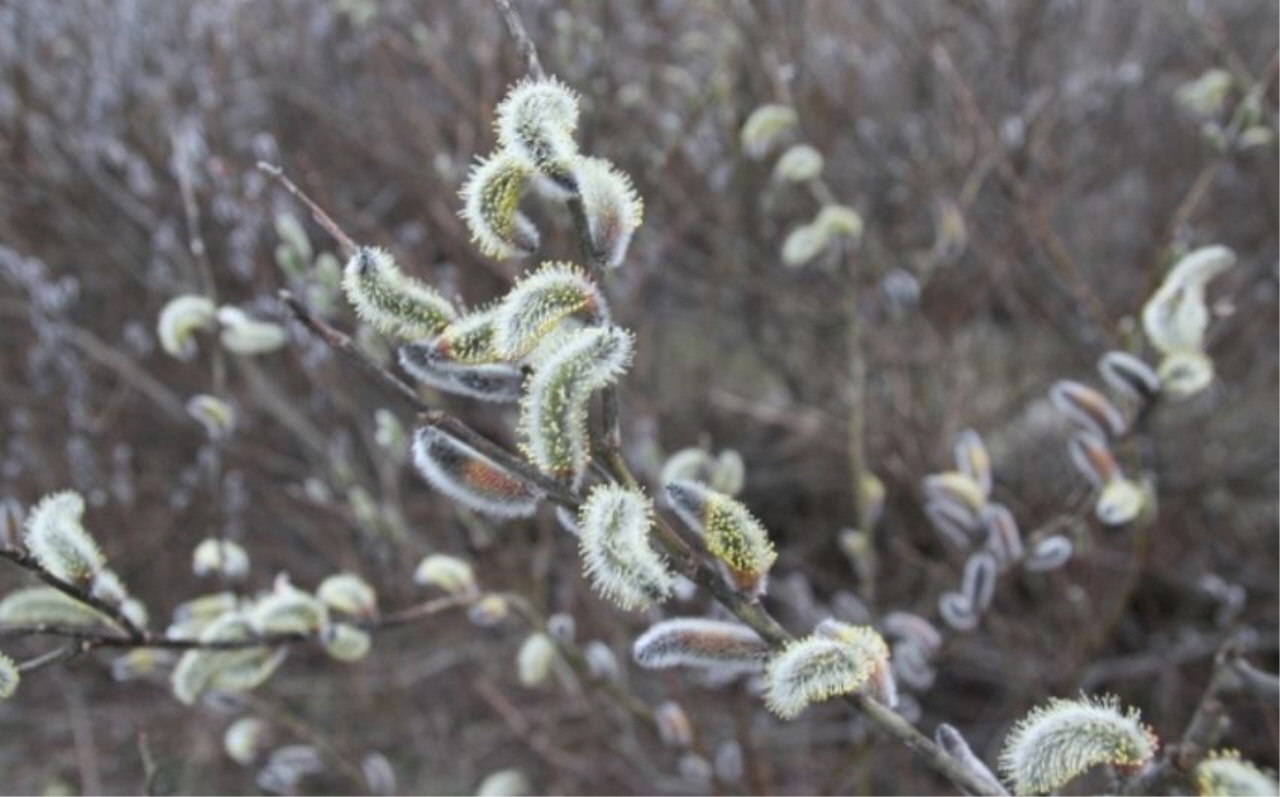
(537, 120)
(1224, 774)
(729, 530)
(491, 206)
(1061, 740)
(59, 542)
(391, 301)
(837, 659)
(614, 524)
(539, 302)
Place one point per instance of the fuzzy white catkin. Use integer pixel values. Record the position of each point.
(348, 593)
(533, 661)
(243, 738)
(59, 542)
(539, 302)
(213, 556)
(612, 208)
(613, 536)
(449, 573)
(841, 660)
(1223, 773)
(180, 319)
(346, 642)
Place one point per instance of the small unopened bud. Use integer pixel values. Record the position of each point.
(470, 478)
(449, 573)
(979, 584)
(553, 412)
(803, 244)
(673, 725)
(955, 522)
(217, 417)
(180, 319)
(729, 764)
(489, 611)
(614, 525)
(765, 127)
(915, 628)
(248, 336)
(732, 535)
(1062, 740)
(1120, 501)
(950, 740)
(601, 661)
(561, 627)
(213, 556)
(1087, 408)
(958, 611)
(348, 593)
(837, 662)
(1049, 554)
(612, 208)
(504, 783)
(1091, 456)
(392, 302)
(378, 774)
(346, 642)
(1206, 96)
(533, 662)
(491, 206)
(725, 647)
(798, 164)
(973, 460)
(539, 302)
(1129, 376)
(244, 740)
(59, 542)
(956, 488)
(1185, 373)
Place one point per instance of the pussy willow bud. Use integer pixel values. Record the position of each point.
(958, 611)
(765, 127)
(248, 336)
(1120, 501)
(197, 669)
(612, 208)
(1205, 96)
(601, 661)
(692, 464)
(206, 607)
(469, 477)
(1049, 554)
(673, 725)
(839, 221)
(803, 244)
(1060, 741)
(562, 628)
(449, 573)
(955, 522)
(820, 667)
(349, 594)
(288, 610)
(915, 628)
(59, 542)
(491, 206)
(9, 677)
(911, 666)
(498, 382)
(244, 740)
(950, 740)
(798, 164)
(553, 412)
(1175, 317)
(1129, 376)
(533, 662)
(537, 119)
(729, 474)
(346, 642)
(213, 556)
(979, 585)
(882, 686)
(613, 535)
(379, 775)
(725, 647)
(973, 460)
(957, 488)
(504, 783)
(217, 417)
(1185, 373)
(732, 535)
(489, 611)
(391, 301)
(141, 663)
(1004, 540)
(1223, 773)
(1091, 456)
(539, 302)
(180, 319)
(32, 606)
(1087, 408)
(135, 612)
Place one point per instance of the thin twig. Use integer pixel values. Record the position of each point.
(516, 26)
(348, 245)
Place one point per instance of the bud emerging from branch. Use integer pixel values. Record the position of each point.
(798, 164)
(765, 127)
(349, 594)
(553, 412)
(243, 740)
(614, 525)
(288, 610)
(725, 647)
(248, 336)
(392, 302)
(1120, 501)
(958, 489)
(838, 221)
(180, 319)
(839, 661)
(58, 540)
(470, 478)
(973, 460)
(491, 206)
(539, 302)
(732, 535)
(537, 119)
(613, 208)
(1060, 741)
(217, 417)
(346, 642)
(448, 573)
(950, 740)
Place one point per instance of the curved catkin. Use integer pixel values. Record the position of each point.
(234, 670)
(537, 119)
(1087, 408)
(697, 642)
(553, 412)
(1049, 554)
(345, 642)
(1093, 458)
(765, 127)
(59, 542)
(1063, 739)
(729, 530)
(9, 677)
(1185, 373)
(612, 208)
(799, 163)
(1120, 501)
(392, 302)
(449, 573)
(32, 606)
(821, 666)
(180, 319)
(1129, 376)
(491, 206)
(539, 302)
(1223, 773)
(614, 525)
(1175, 317)
(425, 362)
(349, 594)
(973, 460)
(470, 478)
